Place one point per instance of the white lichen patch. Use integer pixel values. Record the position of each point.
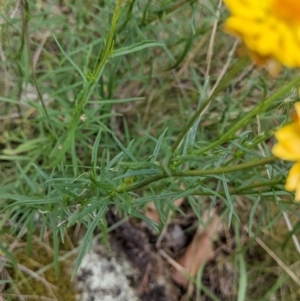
(106, 276)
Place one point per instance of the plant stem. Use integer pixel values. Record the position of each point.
(197, 173)
(247, 189)
(87, 90)
(226, 81)
(256, 111)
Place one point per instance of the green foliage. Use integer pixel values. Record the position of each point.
(91, 120)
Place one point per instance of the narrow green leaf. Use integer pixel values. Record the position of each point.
(101, 184)
(158, 145)
(229, 200)
(251, 216)
(114, 160)
(95, 149)
(12, 101)
(77, 216)
(136, 213)
(115, 101)
(158, 205)
(27, 201)
(243, 279)
(142, 172)
(26, 146)
(135, 47)
(53, 223)
(140, 165)
(194, 129)
(188, 45)
(41, 172)
(74, 156)
(124, 149)
(66, 191)
(88, 238)
(195, 206)
(70, 60)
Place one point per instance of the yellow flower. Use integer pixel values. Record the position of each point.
(293, 181)
(288, 148)
(269, 28)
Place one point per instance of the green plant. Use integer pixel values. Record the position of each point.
(70, 153)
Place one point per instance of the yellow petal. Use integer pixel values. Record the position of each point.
(293, 179)
(297, 108)
(270, 28)
(289, 140)
(290, 131)
(243, 27)
(289, 49)
(284, 154)
(266, 43)
(297, 194)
